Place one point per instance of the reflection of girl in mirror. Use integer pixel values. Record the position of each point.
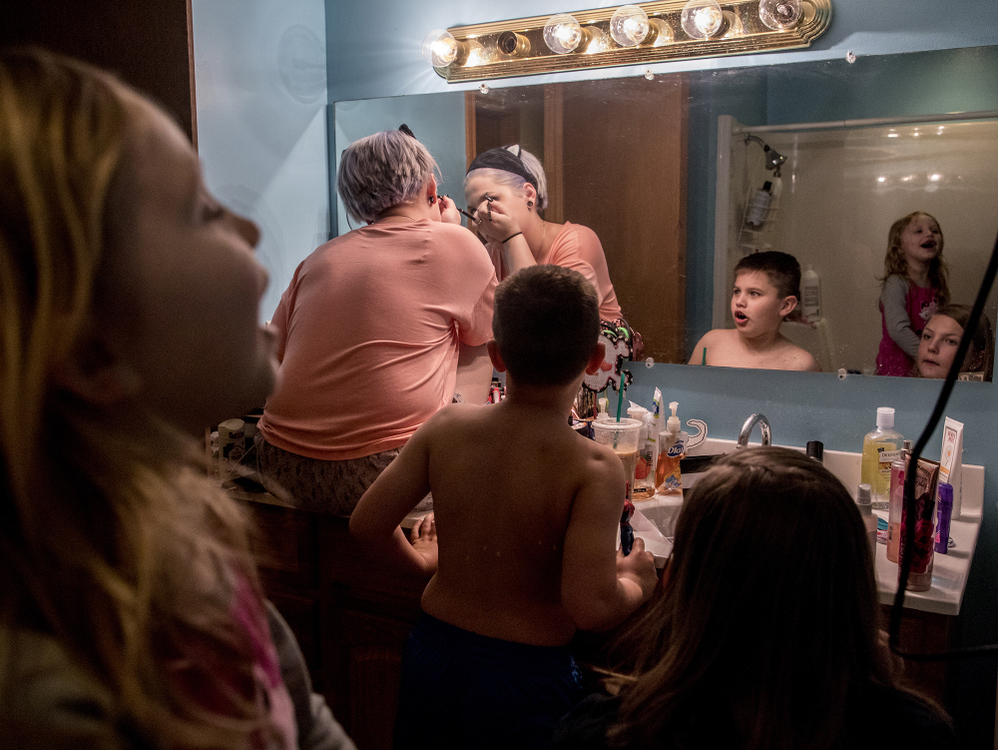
(913, 286)
(765, 629)
(130, 610)
(506, 189)
(941, 337)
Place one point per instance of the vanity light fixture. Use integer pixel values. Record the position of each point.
(636, 34)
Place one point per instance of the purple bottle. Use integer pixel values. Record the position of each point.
(945, 510)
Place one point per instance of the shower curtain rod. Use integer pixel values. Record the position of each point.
(834, 124)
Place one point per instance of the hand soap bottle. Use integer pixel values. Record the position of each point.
(671, 447)
(881, 447)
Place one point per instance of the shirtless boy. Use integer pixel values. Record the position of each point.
(527, 511)
(766, 291)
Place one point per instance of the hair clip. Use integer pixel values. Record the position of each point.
(405, 129)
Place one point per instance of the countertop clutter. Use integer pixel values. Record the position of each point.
(949, 571)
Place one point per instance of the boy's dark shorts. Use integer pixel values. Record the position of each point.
(464, 690)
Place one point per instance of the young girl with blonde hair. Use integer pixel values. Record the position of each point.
(913, 286)
(130, 611)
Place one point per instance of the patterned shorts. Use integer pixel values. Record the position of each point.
(331, 487)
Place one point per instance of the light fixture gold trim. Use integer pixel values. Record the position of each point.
(747, 35)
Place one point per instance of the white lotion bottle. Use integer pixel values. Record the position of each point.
(810, 287)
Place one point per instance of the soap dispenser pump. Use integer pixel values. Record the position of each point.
(671, 447)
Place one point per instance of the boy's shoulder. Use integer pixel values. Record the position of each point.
(723, 340)
(792, 357)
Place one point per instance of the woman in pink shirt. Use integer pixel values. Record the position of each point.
(506, 189)
(371, 329)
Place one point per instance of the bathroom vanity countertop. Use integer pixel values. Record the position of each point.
(949, 571)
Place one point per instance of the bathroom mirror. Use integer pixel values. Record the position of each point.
(637, 160)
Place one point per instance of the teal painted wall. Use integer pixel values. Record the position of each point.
(445, 140)
(374, 51)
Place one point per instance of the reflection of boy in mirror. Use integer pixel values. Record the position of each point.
(766, 291)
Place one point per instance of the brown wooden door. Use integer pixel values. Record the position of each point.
(145, 42)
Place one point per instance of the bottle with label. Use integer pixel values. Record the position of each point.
(758, 207)
(881, 447)
(898, 469)
(671, 447)
(810, 289)
(644, 480)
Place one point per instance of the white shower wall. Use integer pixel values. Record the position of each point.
(841, 189)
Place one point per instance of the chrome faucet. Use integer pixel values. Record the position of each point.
(760, 419)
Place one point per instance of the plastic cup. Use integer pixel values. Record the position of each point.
(623, 438)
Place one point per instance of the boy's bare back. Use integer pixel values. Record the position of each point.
(526, 512)
(727, 348)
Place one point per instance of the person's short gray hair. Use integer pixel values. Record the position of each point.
(382, 171)
(533, 165)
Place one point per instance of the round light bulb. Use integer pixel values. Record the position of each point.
(562, 34)
(440, 48)
(702, 18)
(780, 14)
(663, 32)
(629, 26)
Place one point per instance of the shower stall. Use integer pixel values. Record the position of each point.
(835, 189)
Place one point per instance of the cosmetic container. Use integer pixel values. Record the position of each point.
(943, 516)
(869, 520)
(894, 508)
(810, 287)
(816, 450)
(881, 447)
(644, 477)
(920, 572)
(758, 207)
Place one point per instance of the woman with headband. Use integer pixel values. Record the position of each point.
(506, 189)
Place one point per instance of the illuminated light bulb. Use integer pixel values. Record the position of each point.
(629, 26)
(440, 48)
(702, 18)
(562, 34)
(780, 15)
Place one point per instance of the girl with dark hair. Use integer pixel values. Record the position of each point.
(941, 337)
(764, 632)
